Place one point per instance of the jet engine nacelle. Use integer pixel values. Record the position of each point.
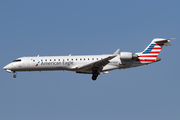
(127, 56)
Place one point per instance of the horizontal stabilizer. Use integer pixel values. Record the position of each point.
(166, 42)
(156, 40)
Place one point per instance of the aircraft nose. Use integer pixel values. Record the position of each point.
(7, 67)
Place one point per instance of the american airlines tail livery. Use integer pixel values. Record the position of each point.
(90, 64)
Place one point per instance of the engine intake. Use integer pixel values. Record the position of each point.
(127, 56)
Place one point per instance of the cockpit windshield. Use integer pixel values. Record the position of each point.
(18, 60)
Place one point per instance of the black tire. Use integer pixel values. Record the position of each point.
(14, 76)
(94, 78)
(95, 74)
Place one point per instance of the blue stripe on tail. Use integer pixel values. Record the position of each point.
(149, 49)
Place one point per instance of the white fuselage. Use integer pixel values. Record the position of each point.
(70, 63)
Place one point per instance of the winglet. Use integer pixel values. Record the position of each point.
(115, 53)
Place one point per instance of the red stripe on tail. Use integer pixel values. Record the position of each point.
(148, 56)
(146, 60)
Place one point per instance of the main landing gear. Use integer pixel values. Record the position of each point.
(95, 75)
(14, 76)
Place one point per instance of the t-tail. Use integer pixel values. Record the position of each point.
(150, 54)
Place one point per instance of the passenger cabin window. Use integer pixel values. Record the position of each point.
(54, 59)
(59, 59)
(18, 60)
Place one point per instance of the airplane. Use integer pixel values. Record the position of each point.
(90, 64)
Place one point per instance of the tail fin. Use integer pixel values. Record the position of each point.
(150, 54)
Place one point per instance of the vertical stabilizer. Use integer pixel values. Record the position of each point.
(150, 54)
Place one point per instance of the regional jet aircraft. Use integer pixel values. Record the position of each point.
(90, 64)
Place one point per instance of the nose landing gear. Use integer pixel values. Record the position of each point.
(14, 76)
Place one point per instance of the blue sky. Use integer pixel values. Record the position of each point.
(31, 28)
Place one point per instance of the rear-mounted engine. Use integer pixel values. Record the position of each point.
(127, 56)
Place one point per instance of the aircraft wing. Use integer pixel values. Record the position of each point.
(98, 64)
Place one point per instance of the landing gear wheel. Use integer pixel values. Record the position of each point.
(95, 75)
(94, 78)
(14, 76)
